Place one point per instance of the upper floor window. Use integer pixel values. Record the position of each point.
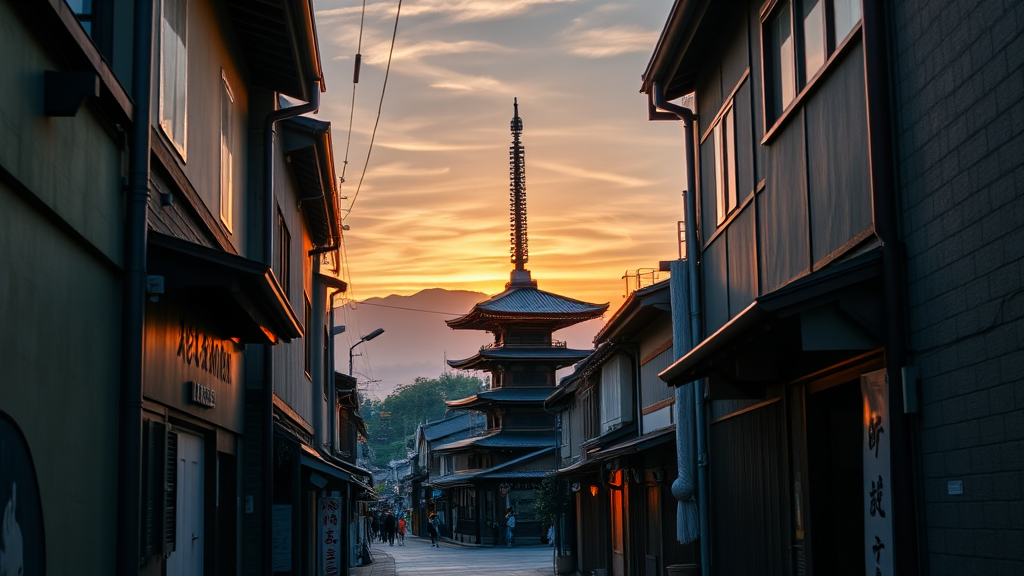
(798, 36)
(227, 131)
(84, 11)
(307, 336)
(174, 71)
(284, 254)
(724, 134)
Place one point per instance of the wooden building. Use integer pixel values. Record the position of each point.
(803, 454)
(617, 446)
(483, 475)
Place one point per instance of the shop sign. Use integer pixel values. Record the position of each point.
(22, 540)
(204, 352)
(329, 526)
(878, 542)
(281, 551)
(203, 395)
(437, 494)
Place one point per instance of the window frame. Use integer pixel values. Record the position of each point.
(307, 336)
(723, 135)
(284, 253)
(165, 123)
(803, 83)
(227, 144)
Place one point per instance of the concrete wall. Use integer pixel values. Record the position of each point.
(60, 301)
(959, 97)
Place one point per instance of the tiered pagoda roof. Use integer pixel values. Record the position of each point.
(524, 304)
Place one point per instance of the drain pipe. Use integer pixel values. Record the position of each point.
(692, 252)
(134, 287)
(269, 136)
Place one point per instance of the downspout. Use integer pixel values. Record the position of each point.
(269, 134)
(906, 535)
(693, 288)
(134, 302)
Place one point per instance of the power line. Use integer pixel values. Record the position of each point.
(355, 82)
(410, 309)
(380, 105)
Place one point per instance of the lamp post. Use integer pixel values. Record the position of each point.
(366, 338)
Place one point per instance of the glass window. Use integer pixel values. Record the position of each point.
(814, 37)
(284, 255)
(174, 71)
(846, 14)
(726, 195)
(226, 154)
(307, 336)
(84, 12)
(783, 77)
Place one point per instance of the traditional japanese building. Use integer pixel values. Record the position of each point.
(484, 474)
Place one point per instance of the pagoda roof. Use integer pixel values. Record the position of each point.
(488, 356)
(511, 395)
(503, 438)
(518, 468)
(527, 304)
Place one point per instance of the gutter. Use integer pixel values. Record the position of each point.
(693, 289)
(134, 298)
(269, 214)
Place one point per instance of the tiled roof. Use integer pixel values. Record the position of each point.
(452, 425)
(527, 304)
(520, 300)
(503, 439)
(503, 395)
(563, 356)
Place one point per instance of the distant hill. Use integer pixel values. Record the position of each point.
(416, 339)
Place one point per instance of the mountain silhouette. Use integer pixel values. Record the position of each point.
(416, 340)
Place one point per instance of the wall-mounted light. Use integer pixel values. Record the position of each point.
(593, 490)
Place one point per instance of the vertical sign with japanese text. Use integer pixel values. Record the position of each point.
(329, 525)
(877, 492)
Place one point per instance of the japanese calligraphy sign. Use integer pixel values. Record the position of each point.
(330, 526)
(878, 552)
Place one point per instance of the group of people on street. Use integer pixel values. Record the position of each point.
(387, 526)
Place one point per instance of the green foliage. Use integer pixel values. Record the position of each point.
(552, 500)
(392, 422)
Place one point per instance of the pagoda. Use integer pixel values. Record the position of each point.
(481, 476)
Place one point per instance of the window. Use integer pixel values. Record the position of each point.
(307, 336)
(781, 76)
(798, 38)
(84, 11)
(724, 135)
(284, 254)
(174, 71)
(227, 137)
(845, 14)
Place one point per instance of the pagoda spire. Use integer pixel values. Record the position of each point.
(517, 203)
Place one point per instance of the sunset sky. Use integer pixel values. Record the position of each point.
(603, 183)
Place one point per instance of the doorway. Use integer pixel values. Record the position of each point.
(835, 474)
(187, 558)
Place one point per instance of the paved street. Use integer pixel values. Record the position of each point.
(417, 558)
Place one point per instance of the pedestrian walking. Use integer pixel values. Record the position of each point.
(390, 525)
(401, 531)
(510, 526)
(433, 528)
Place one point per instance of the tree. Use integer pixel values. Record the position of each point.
(393, 421)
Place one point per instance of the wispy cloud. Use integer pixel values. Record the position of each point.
(457, 10)
(621, 180)
(404, 169)
(605, 42)
(422, 50)
(424, 146)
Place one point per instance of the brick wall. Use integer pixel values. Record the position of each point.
(959, 107)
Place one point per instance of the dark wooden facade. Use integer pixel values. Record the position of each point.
(795, 281)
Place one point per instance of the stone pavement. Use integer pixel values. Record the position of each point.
(418, 558)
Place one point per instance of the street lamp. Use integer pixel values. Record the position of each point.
(366, 338)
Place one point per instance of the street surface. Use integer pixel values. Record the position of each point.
(418, 558)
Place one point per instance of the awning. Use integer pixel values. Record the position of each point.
(241, 296)
(816, 320)
(337, 472)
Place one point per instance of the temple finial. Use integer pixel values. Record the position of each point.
(517, 192)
